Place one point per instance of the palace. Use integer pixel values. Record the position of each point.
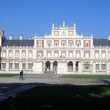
(63, 51)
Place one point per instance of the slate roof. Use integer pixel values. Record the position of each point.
(18, 42)
(101, 42)
(27, 42)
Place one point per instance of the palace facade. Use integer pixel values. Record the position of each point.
(64, 51)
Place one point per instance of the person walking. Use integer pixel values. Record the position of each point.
(21, 75)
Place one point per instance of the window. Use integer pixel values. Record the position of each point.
(4, 54)
(77, 44)
(103, 66)
(78, 54)
(87, 44)
(30, 55)
(87, 55)
(56, 33)
(17, 55)
(63, 44)
(10, 65)
(103, 55)
(49, 44)
(97, 66)
(10, 55)
(30, 65)
(56, 44)
(24, 66)
(16, 65)
(70, 54)
(23, 55)
(48, 54)
(56, 54)
(87, 66)
(63, 54)
(4, 65)
(70, 44)
(97, 55)
(40, 54)
(40, 43)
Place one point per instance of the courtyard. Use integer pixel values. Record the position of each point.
(54, 92)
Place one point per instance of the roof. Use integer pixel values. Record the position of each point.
(101, 42)
(18, 42)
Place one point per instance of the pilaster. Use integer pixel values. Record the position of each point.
(7, 66)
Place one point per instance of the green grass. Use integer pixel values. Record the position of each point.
(8, 75)
(61, 98)
(87, 76)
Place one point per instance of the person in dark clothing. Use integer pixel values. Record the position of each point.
(21, 75)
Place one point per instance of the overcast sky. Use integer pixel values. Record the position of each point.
(27, 17)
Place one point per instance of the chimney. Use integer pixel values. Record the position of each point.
(20, 37)
(109, 37)
(10, 37)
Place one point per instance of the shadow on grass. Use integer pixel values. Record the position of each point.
(60, 97)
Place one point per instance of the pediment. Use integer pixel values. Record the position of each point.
(63, 33)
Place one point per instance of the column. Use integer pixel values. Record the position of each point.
(26, 64)
(59, 52)
(35, 42)
(7, 66)
(52, 43)
(100, 66)
(20, 53)
(107, 54)
(74, 66)
(107, 68)
(26, 53)
(43, 69)
(20, 65)
(94, 67)
(51, 66)
(13, 66)
(80, 67)
(67, 53)
(82, 54)
(60, 43)
(13, 53)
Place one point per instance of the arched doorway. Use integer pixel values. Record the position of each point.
(55, 65)
(77, 65)
(70, 66)
(47, 66)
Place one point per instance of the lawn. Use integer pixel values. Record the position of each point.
(87, 76)
(94, 97)
(8, 75)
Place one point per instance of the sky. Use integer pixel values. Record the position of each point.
(29, 17)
